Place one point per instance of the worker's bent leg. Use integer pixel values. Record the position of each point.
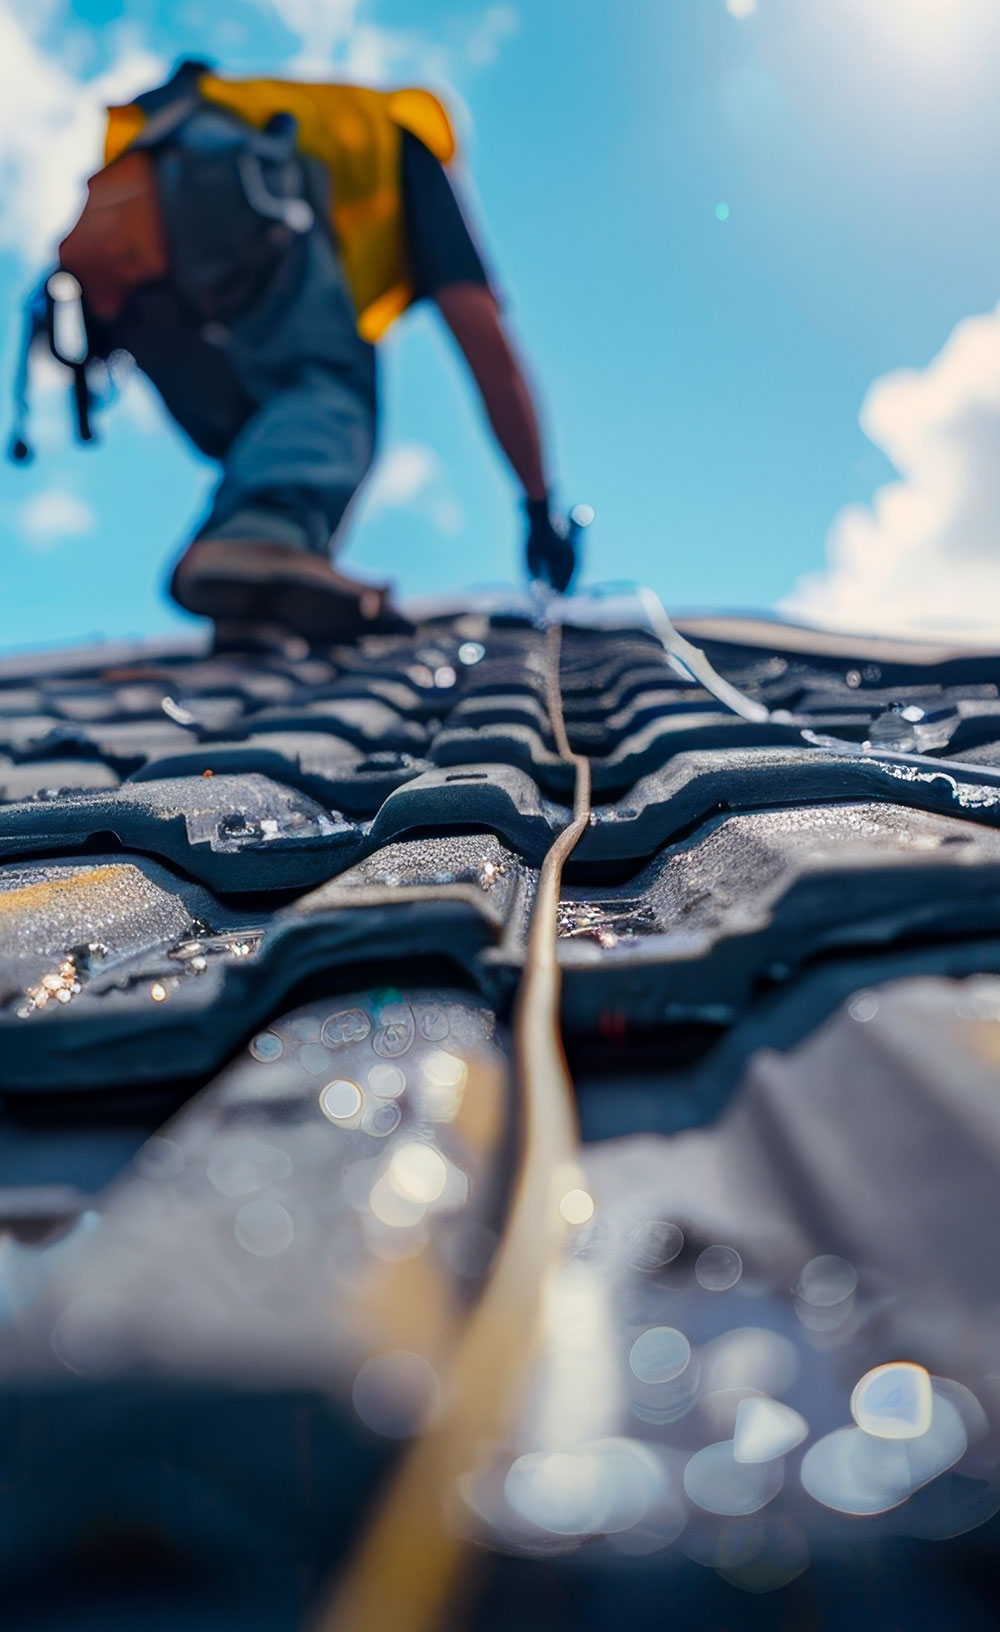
(292, 471)
(288, 479)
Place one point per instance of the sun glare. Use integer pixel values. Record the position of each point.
(951, 40)
(922, 22)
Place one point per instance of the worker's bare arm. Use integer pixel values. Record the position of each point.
(474, 318)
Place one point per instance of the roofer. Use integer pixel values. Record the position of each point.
(248, 243)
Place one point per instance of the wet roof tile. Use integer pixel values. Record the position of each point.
(242, 833)
(385, 809)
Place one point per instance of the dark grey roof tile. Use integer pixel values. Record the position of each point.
(123, 744)
(366, 722)
(223, 1249)
(243, 833)
(330, 769)
(66, 922)
(498, 797)
(516, 744)
(21, 733)
(754, 897)
(186, 978)
(661, 806)
(21, 700)
(52, 776)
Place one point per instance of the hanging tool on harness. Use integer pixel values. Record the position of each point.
(200, 198)
(55, 310)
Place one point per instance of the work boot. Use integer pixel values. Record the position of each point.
(247, 581)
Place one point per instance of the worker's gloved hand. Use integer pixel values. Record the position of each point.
(550, 549)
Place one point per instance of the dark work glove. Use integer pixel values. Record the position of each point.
(551, 548)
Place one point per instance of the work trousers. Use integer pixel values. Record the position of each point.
(293, 467)
(284, 396)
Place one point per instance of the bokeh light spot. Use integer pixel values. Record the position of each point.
(894, 1401)
(718, 1268)
(577, 1206)
(659, 1355)
(341, 1100)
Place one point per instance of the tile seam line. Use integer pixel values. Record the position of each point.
(412, 1566)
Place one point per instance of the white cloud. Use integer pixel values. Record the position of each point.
(925, 556)
(741, 8)
(55, 514)
(52, 110)
(140, 402)
(498, 23)
(339, 35)
(51, 124)
(401, 475)
(410, 476)
(323, 28)
(331, 36)
(448, 516)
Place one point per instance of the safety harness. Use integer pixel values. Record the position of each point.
(214, 204)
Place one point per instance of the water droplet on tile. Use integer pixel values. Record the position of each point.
(559, 1491)
(659, 1355)
(385, 1119)
(386, 1081)
(653, 1243)
(391, 1208)
(716, 1482)
(418, 1172)
(766, 1429)
(396, 1031)
(432, 1022)
(267, 1047)
(718, 1268)
(826, 1281)
(264, 1228)
(894, 1401)
(346, 1026)
(851, 1472)
(341, 1100)
(577, 1207)
(315, 1058)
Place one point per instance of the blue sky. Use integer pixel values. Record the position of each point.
(702, 377)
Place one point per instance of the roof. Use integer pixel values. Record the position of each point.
(264, 919)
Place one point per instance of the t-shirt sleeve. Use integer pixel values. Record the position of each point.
(442, 249)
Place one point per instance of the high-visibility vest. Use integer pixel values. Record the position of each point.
(357, 134)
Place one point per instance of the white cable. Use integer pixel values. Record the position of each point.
(693, 659)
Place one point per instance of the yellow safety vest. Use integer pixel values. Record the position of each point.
(356, 133)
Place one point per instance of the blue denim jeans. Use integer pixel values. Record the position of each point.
(293, 467)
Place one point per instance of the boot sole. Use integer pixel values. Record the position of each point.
(321, 612)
